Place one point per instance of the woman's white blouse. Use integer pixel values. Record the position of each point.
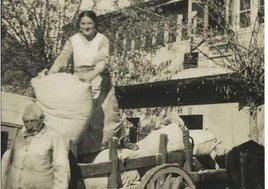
(85, 53)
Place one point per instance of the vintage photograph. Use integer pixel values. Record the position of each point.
(132, 94)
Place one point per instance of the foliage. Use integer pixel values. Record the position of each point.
(135, 67)
(246, 58)
(34, 31)
(147, 24)
(32, 36)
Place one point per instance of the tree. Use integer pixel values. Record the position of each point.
(32, 36)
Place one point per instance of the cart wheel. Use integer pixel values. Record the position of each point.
(167, 176)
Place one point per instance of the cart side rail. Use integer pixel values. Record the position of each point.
(95, 169)
(115, 166)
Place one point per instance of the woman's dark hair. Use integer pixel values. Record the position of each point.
(89, 14)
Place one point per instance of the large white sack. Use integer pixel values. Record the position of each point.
(66, 101)
(150, 144)
(204, 142)
(128, 178)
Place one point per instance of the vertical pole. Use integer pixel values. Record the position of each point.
(188, 150)
(132, 44)
(164, 158)
(75, 179)
(73, 148)
(113, 180)
(163, 148)
(166, 33)
(179, 28)
(116, 42)
(205, 30)
(4, 142)
(190, 25)
(189, 17)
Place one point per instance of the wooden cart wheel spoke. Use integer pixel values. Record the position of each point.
(160, 182)
(167, 176)
(178, 183)
(167, 182)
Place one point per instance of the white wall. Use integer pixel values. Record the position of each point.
(226, 121)
(13, 106)
(11, 112)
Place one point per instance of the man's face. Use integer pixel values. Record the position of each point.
(32, 123)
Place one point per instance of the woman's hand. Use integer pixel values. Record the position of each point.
(86, 78)
(43, 73)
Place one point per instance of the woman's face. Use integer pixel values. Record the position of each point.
(87, 26)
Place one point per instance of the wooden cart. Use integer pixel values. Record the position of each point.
(165, 170)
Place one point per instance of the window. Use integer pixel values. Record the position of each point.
(119, 46)
(160, 35)
(148, 40)
(137, 43)
(217, 17)
(172, 31)
(190, 60)
(119, 43)
(127, 46)
(230, 12)
(193, 121)
(133, 135)
(244, 13)
(261, 11)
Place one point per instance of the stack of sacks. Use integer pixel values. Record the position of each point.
(204, 142)
(150, 144)
(67, 103)
(128, 178)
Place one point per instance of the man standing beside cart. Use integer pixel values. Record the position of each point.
(38, 157)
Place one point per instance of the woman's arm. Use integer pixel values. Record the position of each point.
(63, 58)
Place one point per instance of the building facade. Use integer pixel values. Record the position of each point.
(160, 40)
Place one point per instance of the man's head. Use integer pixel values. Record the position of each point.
(33, 117)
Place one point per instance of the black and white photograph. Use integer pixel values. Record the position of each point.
(132, 94)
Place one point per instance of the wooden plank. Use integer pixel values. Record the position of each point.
(113, 180)
(163, 148)
(188, 150)
(95, 169)
(164, 158)
(6, 124)
(177, 157)
(209, 175)
(140, 162)
(148, 161)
